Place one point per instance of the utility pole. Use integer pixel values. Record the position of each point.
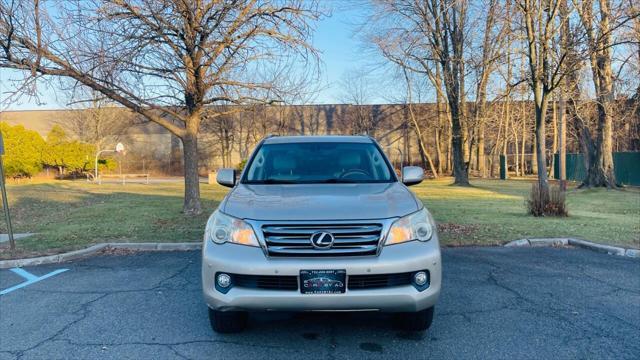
(5, 202)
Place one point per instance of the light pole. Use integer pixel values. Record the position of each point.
(119, 148)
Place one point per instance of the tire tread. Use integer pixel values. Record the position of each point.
(227, 322)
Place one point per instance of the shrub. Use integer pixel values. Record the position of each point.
(547, 203)
(66, 154)
(557, 205)
(23, 151)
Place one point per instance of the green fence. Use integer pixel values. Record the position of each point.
(627, 166)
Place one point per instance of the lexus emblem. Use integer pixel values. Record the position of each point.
(322, 240)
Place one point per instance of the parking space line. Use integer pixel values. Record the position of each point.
(31, 279)
(25, 274)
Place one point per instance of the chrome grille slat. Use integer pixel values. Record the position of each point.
(312, 251)
(281, 230)
(349, 239)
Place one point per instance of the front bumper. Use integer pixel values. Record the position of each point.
(400, 258)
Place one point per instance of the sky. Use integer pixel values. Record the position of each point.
(335, 38)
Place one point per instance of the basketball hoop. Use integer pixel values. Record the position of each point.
(119, 149)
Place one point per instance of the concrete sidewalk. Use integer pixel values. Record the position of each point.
(5, 237)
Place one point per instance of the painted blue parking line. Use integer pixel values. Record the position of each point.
(31, 279)
(25, 274)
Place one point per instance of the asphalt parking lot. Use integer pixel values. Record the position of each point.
(496, 303)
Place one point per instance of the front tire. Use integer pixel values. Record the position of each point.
(415, 321)
(226, 322)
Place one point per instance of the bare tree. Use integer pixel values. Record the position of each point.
(356, 91)
(599, 36)
(303, 91)
(416, 125)
(493, 42)
(168, 60)
(420, 35)
(98, 120)
(545, 60)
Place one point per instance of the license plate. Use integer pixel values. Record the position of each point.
(322, 281)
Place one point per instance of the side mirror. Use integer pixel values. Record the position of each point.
(412, 175)
(226, 177)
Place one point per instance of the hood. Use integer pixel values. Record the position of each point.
(320, 201)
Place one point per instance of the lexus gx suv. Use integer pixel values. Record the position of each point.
(320, 223)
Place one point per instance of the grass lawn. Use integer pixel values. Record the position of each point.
(68, 215)
(493, 212)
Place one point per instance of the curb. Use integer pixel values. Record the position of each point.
(91, 250)
(557, 242)
(190, 246)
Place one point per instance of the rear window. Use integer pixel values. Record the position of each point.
(318, 162)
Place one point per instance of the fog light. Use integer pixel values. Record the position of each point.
(223, 280)
(420, 278)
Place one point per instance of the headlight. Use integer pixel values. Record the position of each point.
(417, 226)
(223, 228)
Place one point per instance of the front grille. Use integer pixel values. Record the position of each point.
(379, 281)
(294, 240)
(268, 282)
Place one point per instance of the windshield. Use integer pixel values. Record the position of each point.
(320, 162)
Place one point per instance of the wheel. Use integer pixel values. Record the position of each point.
(415, 321)
(226, 322)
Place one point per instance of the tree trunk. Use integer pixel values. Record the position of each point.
(601, 171)
(562, 142)
(562, 108)
(516, 146)
(587, 147)
(541, 147)
(439, 158)
(192, 204)
(462, 116)
(459, 166)
(471, 161)
(480, 157)
(421, 144)
(449, 141)
(523, 144)
(534, 152)
(507, 118)
(438, 131)
(464, 130)
(554, 146)
(449, 151)
(497, 146)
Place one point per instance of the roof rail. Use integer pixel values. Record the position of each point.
(270, 136)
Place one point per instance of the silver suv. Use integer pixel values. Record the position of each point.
(320, 223)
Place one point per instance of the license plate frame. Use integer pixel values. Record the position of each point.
(325, 281)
